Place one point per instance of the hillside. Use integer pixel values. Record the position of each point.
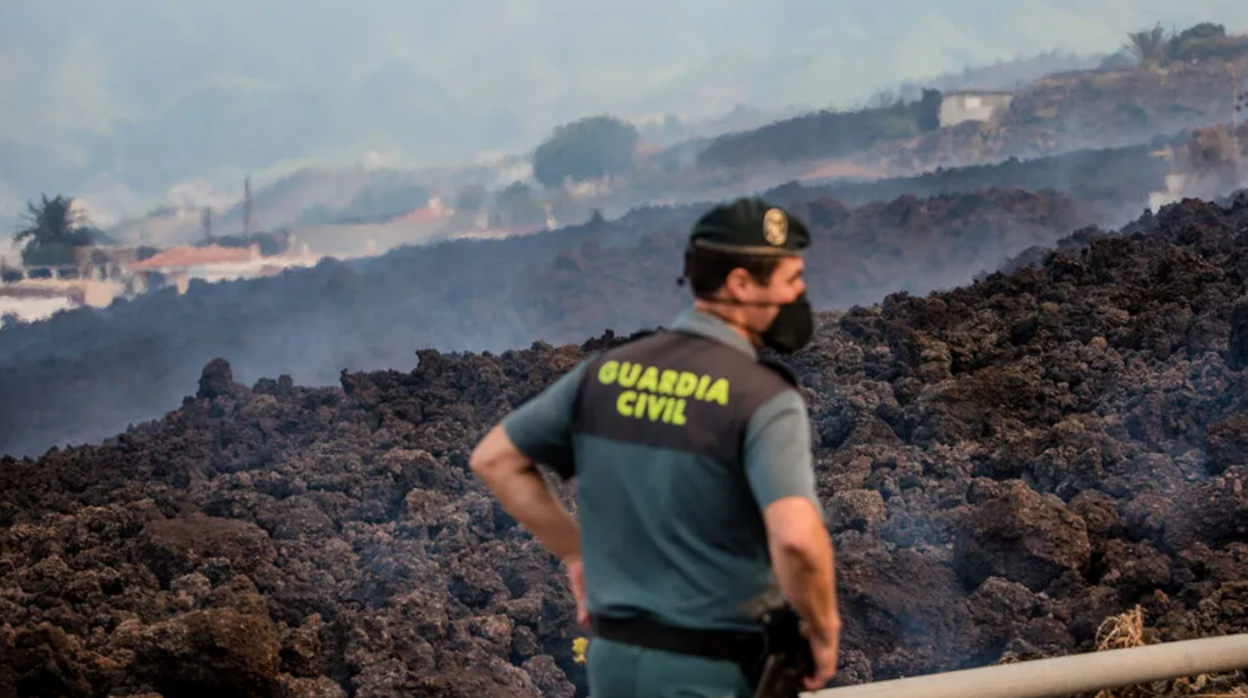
(1088, 109)
(95, 372)
(1006, 464)
(109, 124)
(1052, 114)
(320, 207)
(896, 132)
(119, 109)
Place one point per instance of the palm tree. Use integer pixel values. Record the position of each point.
(1148, 46)
(54, 229)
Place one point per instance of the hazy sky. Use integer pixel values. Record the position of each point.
(130, 97)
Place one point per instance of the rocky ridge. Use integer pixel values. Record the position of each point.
(1007, 463)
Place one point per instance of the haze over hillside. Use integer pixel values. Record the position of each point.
(120, 102)
(1027, 383)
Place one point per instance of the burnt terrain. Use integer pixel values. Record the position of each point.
(1006, 464)
(1117, 179)
(87, 374)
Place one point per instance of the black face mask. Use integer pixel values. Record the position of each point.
(792, 327)
(790, 330)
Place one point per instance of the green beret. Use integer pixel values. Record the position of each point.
(750, 226)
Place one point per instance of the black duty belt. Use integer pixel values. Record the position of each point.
(742, 646)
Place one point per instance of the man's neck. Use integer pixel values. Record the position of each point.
(710, 309)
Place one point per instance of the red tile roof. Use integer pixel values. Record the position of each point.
(195, 256)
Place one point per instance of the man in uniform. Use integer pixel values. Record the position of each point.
(695, 483)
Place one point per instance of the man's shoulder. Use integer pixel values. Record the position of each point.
(610, 342)
(783, 371)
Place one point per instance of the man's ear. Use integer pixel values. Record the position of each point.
(738, 282)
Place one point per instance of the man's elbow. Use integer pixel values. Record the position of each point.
(484, 457)
(795, 528)
(801, 545)
(494, 455)
(478, 463)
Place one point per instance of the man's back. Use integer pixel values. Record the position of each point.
(670, 520)
(693, 467)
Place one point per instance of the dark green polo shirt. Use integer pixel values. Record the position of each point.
(678, 442)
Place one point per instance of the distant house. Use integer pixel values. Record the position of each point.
(973, 105)
(215, 263)
(96, 262)
(183, 258)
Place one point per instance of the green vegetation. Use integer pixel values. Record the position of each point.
(517, 206)
(54, 230)
(587, 149)
(1148, 47)
(1152, 48)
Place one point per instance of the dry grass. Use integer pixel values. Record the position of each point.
(1127, 630)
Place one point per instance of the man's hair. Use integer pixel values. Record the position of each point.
(706, 268)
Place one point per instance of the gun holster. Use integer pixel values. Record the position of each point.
(787, 657)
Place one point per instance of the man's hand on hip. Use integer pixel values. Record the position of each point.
(824, 651)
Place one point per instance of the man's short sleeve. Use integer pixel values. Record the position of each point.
(542, 427)
(778, 461)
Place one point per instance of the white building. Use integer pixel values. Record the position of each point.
(973, 105)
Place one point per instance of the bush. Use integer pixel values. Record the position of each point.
(1192, 43)
(517, 206)
(587, 149)
(54, 230)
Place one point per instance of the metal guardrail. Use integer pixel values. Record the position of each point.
(1058, 677)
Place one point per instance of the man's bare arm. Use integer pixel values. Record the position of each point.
(780, 468)
(801, 554)
(515, 481)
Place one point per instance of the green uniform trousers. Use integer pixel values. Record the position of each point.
(616, 670)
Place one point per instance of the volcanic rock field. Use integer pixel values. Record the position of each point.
(1008, 457)
(86, 375)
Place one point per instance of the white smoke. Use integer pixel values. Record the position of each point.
(1210, 164)
(10, 252)
(197, 194)
(1176, 185)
